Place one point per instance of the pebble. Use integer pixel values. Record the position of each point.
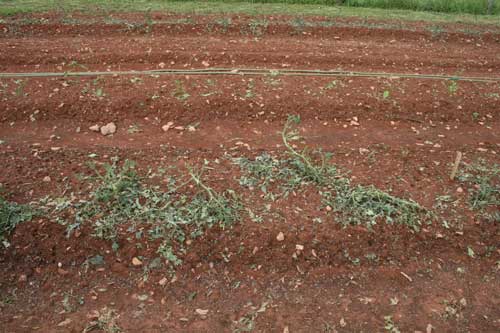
(64, 322)
(163, 281)
(280, 237)
(46, 179)
(201, 312)
(168, 126)
(136, 261)
(109, 128)
(363, 151)
(94, 128)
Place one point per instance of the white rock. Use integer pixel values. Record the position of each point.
(201, 312)
(94, 128)
(168, 126)
(280, 237)
(109, 128)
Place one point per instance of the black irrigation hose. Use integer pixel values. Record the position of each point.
(246, 71)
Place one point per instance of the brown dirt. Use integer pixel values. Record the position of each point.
(412, 137)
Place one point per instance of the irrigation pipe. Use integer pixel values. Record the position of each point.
(255, 72)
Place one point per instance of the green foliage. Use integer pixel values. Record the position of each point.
(367, 204)
(484, 181)
(301, 160)
(355, 204)
(258, 27)
(446, 6)
(273, 7)
(390, 326)
(275, 177)
(120, 197)
(11, 214)
(180, 92)
(453, 87)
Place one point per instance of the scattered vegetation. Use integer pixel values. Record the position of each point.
(484, 187)
(120, 200)
(180, 91)
(105, 320)
(11, 214)
(247, 322)
(258, 27)
(390, 326)
(356, 204)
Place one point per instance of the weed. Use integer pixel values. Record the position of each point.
(146, 26)
(74, 63)
(247, 322)
(484, 181)
(454, 308)
(367, 204)
(249, 93)
(386, 94)
(135, 80)
(301, 159)
(20, 84)
(11, 214)
(94, 89)
(120, 197)
(179, 91)
(331, 85)
(453, 87)
(355, 203)
(148, 21)
(221, 24)
(272, 80)
(470, 252)
(475, 116)
(8, 298)
(299, 25)
(71, 302)
(105, 320)
(134, 129)
(258, 27)
(390, 326)
(225, 23)
(436, 31)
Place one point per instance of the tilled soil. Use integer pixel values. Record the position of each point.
(401, 135)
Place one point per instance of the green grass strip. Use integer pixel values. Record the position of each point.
(11, 7)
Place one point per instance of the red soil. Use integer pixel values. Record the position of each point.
(412, 137)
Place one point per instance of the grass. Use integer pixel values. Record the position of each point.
(122, 201)
(448, 6)
(11, 214)
(11, 7)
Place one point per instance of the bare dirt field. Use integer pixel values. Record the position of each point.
(224, 223)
